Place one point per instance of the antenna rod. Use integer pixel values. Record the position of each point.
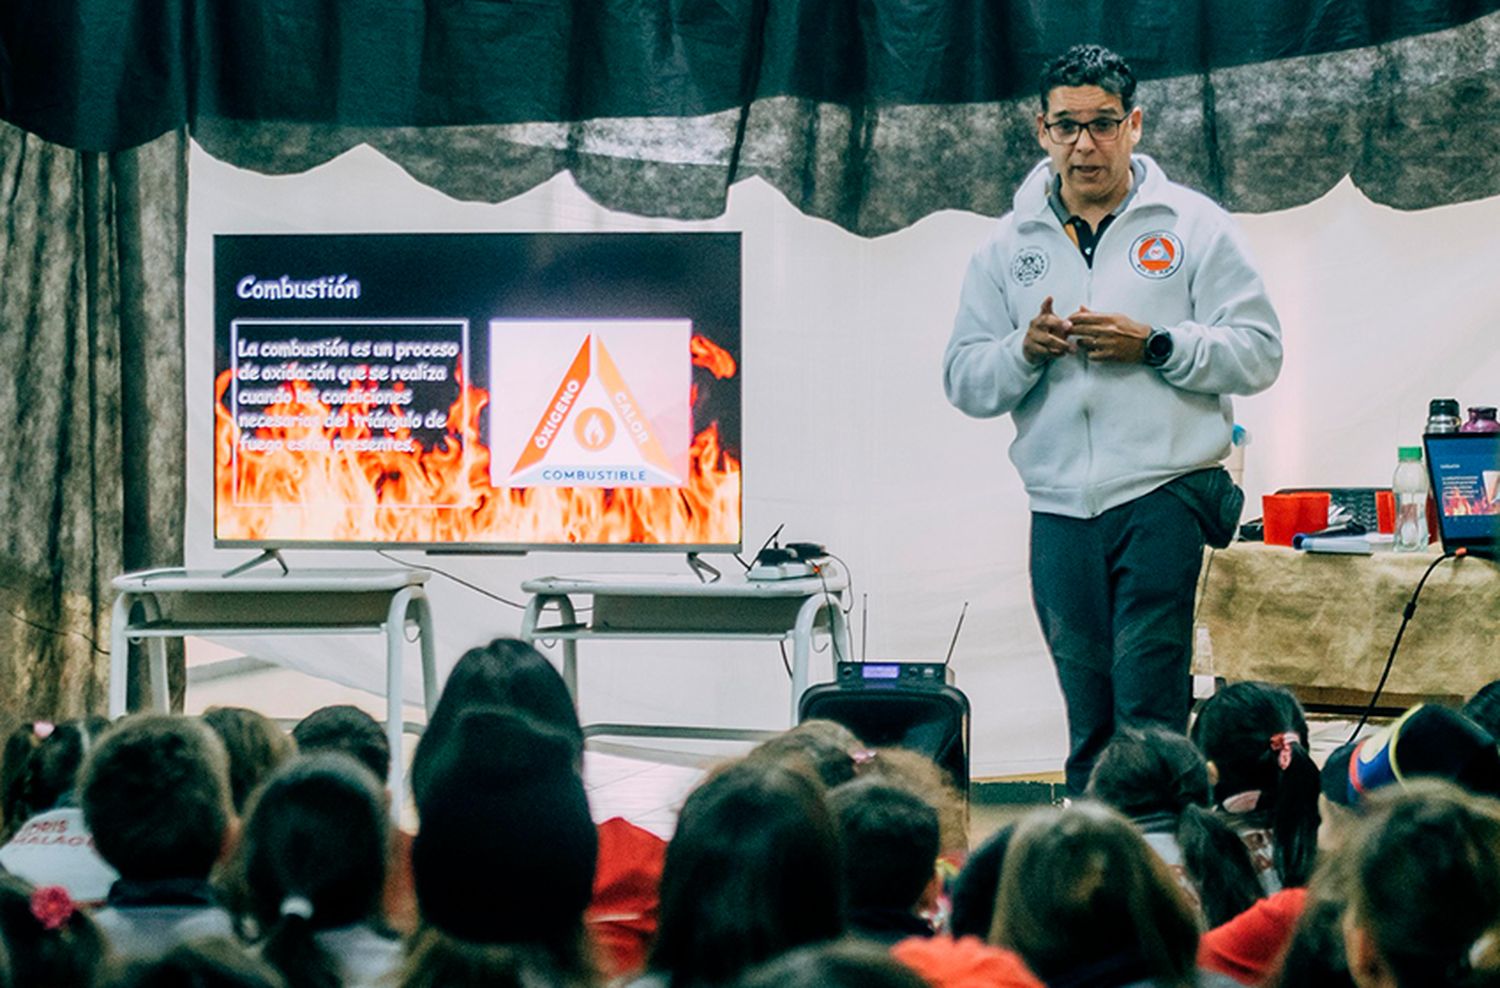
(864, 626)
(956, 629)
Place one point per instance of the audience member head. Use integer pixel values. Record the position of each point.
(50, 941)
(504, 858)
(915, 772)
(255, 746)
(504, 673)
(155, 796)
(1080, 887)
(1155, 774)
(843, 964)
(1483, 708)
(1426, 741)
(890, 841)
(346, 729)
(212, 963)
(311, 857)
(752, 871)
(1425, 898)
(1255, 737)
(42, 760)
(978, 885)
(825, 748)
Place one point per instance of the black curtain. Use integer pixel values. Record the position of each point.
(91, 402)
(870, 113)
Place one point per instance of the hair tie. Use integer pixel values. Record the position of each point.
(297, 905)
(1282, 744)
(43, 729)
(52, 906)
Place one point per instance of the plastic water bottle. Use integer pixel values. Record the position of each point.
(1409, 488)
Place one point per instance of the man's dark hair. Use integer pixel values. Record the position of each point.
(155, 795)
(349, 730)
(891, 843)
(1090, 65)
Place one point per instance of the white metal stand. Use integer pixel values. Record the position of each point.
(681, 607)
(159, 604)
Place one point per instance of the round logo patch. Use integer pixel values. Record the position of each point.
(1029, 265)
(1157, 254)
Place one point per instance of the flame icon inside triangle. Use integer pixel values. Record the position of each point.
(612, 441)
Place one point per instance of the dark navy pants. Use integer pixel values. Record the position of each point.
(1115, 598)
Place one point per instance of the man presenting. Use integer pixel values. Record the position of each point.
(1111, 313)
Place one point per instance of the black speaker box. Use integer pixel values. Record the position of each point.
(919, 713)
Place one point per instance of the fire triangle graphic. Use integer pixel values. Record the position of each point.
(593, 432)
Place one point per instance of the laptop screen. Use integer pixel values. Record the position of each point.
(1465, 472)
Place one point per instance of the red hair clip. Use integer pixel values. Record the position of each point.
(1282, 744)
(52, 906)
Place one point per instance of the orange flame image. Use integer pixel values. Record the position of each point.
(328, 476)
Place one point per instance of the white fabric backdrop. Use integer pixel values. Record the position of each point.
(849, 441)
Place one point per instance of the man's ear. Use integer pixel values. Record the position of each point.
(1041, 131)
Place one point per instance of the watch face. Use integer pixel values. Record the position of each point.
(1158, 347)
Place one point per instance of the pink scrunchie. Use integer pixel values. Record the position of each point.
(1282, 744)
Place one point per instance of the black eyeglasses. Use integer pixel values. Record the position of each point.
(1101, 129)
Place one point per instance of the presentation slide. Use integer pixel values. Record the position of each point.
(485, 390)
(1467, 471)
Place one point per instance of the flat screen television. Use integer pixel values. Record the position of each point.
(495, 391)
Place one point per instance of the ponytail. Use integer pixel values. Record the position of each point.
(1294, 821)
(1218, 863)
(291, 948)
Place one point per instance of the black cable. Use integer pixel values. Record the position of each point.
(784, 660)
(1406, 615)
(849, 584)
(833, 637)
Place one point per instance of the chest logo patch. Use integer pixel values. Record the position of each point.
(1156, 255)
(1029, 266)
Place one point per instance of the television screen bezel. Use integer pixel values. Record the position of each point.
(482, 548)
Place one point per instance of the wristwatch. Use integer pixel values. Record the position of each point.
(1158, 348)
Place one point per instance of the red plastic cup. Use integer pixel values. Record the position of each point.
(1288, 515)
(1385, 512)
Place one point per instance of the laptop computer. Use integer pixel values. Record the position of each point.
(1464, 468)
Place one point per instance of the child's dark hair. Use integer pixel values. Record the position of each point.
(824, 747)
(1090, 65)
(312, 857)
(211, 963)
(753, 870)
(1426, 889)
(977, 886)
(1158, 773)
(155, 796)
(256, 745)
(49, 940)
(1080, 886)
(347, 729)
(42, 761)
(504, 673)
(843, 964)
(891, 842)
(1255, 734)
